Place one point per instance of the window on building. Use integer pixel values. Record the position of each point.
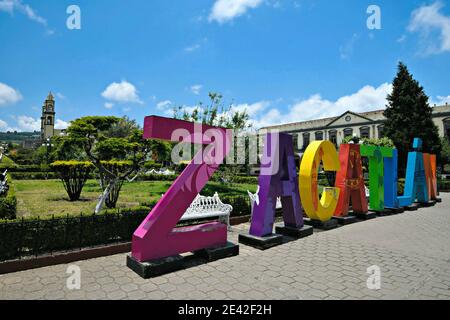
(295, 141)
(49, 120)
(348, 133)
(364, 132)
(447, 128)
(306, 140)
(333, 137)
(319, 135)
(380, 132)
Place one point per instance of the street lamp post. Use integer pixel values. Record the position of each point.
(49, 146)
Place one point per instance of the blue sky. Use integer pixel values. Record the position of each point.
(283, 61)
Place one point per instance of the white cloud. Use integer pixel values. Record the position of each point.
(60, 96)
(252, 109)
(29, 124)
(196, 46)
(7, 6)
(441, 100)
(192, 48)
(402, 38)
(26, 123)
(8, 95)
(226, 10)
(367, 98)
(11, 5)
(346, 50)
(109, 105)
(3, 125)
(427, 21)
(122, 92)
(61, 124)
(195, 89)
(163, 104)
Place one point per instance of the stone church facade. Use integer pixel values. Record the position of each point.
(367, 124)
(48, 119)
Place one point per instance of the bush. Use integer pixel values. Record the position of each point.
(401, 187)
(73, 175)
(245, 179)
(152, 165)
(241, 205)
(25, 168)
(156, 177)
(444, 185)
(27, 237)
(34, 175)
(8, 203)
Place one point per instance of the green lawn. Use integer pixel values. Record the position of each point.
(48, 197)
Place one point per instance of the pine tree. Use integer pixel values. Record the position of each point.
(409, 115)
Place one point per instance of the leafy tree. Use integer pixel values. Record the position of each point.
(116, 167)
(215, 113)
(161, 151)
(382, 142)
(409, 116)
(73, 175)
(106, 139)
(65, 148)
(444, 157)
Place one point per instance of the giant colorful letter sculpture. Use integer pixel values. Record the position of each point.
(156, 237)
(350, 181)
(390, 181)
(376, 157)
(278, 178)
(429, 161)
(415, 185)
(318, 209)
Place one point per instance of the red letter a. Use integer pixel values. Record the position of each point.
(350, 181)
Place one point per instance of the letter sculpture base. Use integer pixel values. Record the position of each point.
(413, 207)
(154, 268)
(364, 216)
(261, 243)
(382, 213)
(395, 210)
(217, 253)
(346, 220)
(428, 204)
(327, 225)
(296, 233)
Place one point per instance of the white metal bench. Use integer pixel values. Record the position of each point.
(4, 182)
(208, 207)
(254, 198)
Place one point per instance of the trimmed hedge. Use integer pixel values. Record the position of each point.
(33, 237)
(28, 237)
(241, 205)
(156, 177)
(24, 168)
(34, 175)
(444, 185)
(8, 203)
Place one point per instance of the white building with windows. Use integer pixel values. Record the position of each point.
(367, 124)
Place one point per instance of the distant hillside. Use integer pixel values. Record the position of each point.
(18, 136)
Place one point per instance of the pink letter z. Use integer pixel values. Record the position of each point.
(157, 237)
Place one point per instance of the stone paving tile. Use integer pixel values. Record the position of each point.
(412, 251)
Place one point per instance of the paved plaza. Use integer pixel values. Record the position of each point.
(412, 251)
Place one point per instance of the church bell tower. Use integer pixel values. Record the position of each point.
(48, 118)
